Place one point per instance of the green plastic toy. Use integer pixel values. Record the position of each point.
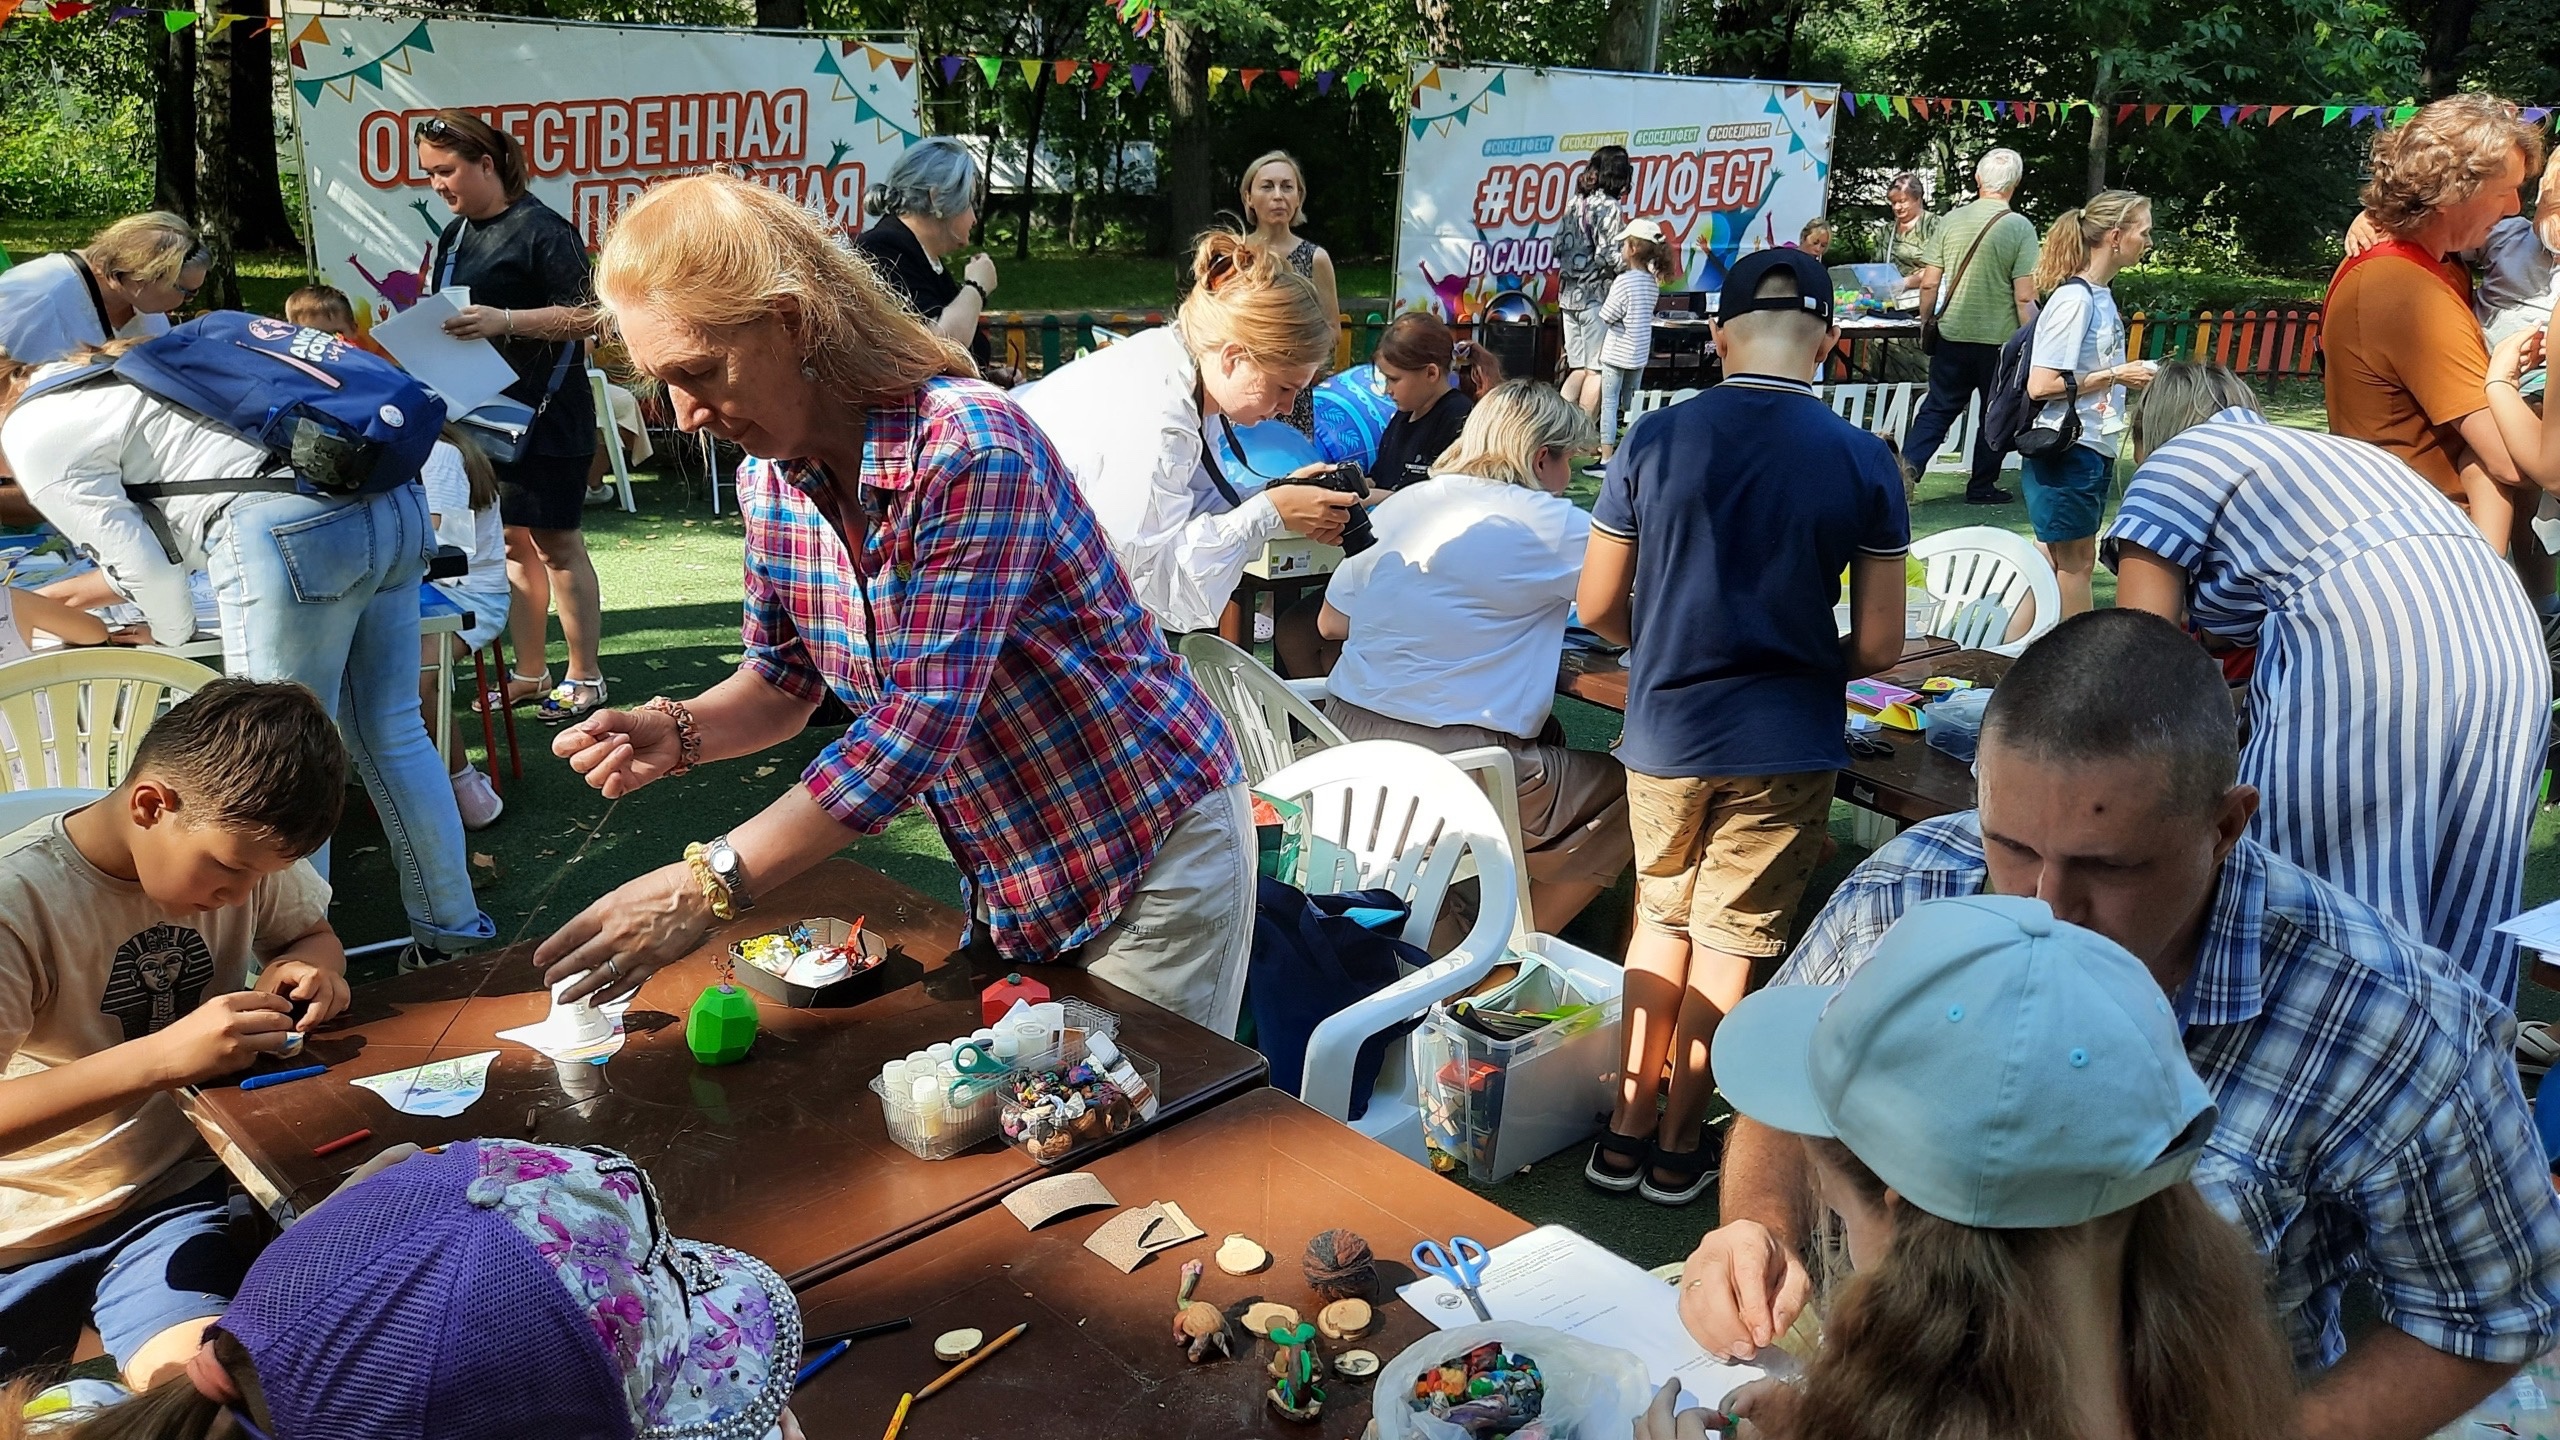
(722, 1025)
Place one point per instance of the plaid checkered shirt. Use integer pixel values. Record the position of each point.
(1020, 692)
(2370, 1123)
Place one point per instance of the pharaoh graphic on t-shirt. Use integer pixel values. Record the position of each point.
(159, 975)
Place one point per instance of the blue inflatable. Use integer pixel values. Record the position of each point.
(1352, 411)
(1271, 449)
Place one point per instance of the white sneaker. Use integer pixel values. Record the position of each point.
(477, 798)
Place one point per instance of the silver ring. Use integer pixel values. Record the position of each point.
(613, 968)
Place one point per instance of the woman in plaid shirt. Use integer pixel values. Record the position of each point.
(915, 547)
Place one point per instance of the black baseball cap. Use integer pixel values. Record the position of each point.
(1742, 284)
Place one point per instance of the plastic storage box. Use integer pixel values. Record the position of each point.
(1496, 1107)
(1086, 1131)
(954, 1127)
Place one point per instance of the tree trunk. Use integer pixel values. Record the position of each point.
(1184, 177)
(782, 14)
(259, 217)
(173, 120)
(2102, 121)
(216, 180)
(2448, 35)
(1031, 145)
(1622, 36)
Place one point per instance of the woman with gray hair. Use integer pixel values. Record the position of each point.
(2400, 693)
(928, 209)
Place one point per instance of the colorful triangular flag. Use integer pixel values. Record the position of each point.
(1030, 68)
(827, 64)
(309, 33)
(61, 10)
(1430, 81)
(991, 66)
(2247, 111)
(1062, 71)
(902, 64)
(174, 21)
(2195, 114)
(2151, 114)
(2278, 112)
(1138, 77)
(1217, 77)
(951, 68)
(2227, 112)
(2403, 114)
(1101, 72)
(2329, 113)
(1353, 81)
(1246, 77)
(1289, 78)
(1324, 82)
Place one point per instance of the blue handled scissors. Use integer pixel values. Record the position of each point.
(1461, 1264)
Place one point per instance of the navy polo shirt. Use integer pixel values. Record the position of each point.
(1744, 503)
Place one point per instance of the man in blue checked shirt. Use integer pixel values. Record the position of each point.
(2370, 1121)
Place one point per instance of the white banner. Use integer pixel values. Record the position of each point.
(1492, 153)
(603, 113)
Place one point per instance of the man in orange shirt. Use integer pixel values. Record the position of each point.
(2407, 367)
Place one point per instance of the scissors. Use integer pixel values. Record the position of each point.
(1461, 1264)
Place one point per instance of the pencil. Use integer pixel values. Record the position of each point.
(341, 1143)
(965, 1366)
(899, 1420)
(861, 1332)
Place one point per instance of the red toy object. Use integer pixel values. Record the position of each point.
(999, 997)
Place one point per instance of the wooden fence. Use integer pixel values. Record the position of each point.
(2264, 343)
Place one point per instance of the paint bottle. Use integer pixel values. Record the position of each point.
(927, 1096)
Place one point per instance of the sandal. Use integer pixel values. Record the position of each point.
(571, 699)
(1690, 1171)
(1630, 1153)
(536, 686)
(2537, 1047)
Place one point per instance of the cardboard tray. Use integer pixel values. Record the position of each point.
(865, 983)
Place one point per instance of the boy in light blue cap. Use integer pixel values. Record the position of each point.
(1999, 1107)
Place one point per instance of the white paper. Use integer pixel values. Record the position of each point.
(467, 373)
(1556, 1278)
(2537, 929)
(439, 1087)
(556, 1035)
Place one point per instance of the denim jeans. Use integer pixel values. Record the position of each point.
(1618, 384)
(326, 592)
(1959, 371)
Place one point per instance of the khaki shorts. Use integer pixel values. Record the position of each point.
(1183, 939)
(1723, 859)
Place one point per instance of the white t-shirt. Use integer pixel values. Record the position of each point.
(89, 962)
(1628, 312)
(76, 450)
(1127, 422)
(2079, 330)
(479, 534)
(47, 311)
(1458, 612)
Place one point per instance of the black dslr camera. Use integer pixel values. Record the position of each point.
(1344, 479)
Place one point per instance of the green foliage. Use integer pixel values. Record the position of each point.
(58, 165)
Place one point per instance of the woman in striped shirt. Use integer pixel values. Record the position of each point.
(2400, 698)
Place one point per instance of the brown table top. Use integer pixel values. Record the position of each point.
(784, 1155)
(1601, 676)
(1919, 781)
(1099, 1359)
(1914, 783)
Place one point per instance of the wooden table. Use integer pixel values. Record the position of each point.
(1915, 783)
(784, 1155)
(1099, 1359)
(1601, 676)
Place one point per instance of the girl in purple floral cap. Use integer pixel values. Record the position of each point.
(490, 1289)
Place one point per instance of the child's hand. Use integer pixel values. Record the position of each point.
(225, 1033)
(324, 992)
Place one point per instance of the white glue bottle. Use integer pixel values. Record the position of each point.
(927, 1094)
(1106, 1056)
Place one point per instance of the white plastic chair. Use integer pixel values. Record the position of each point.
(1978, 562)
(1382, 814)
(71, 718)
(611, 438)
(1258, 705)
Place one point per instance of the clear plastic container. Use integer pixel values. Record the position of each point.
(955, 1127)
(1495, 1107)
(1051, 1146)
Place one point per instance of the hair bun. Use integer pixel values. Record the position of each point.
(876, 199)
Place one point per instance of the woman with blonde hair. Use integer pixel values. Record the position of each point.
(1452, 625)
(914, 548)
(121, 285)
(1274, 192)
(2399, 695)
(2078, 365)
(1131, 421)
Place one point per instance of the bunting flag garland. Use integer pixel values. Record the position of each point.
(951, 68)
(882, 127)
(1138, 77)
(369, 72)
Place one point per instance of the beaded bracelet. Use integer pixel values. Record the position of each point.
(698, 856)
(688, 734)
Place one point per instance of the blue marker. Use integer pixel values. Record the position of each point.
(261, 1082)
(820, 1361)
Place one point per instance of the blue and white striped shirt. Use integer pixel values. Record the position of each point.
(2401, 693)
(2370, 1118)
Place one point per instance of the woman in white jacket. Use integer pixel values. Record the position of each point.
(1132, 423)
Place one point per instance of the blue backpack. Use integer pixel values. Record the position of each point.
(334, 420)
